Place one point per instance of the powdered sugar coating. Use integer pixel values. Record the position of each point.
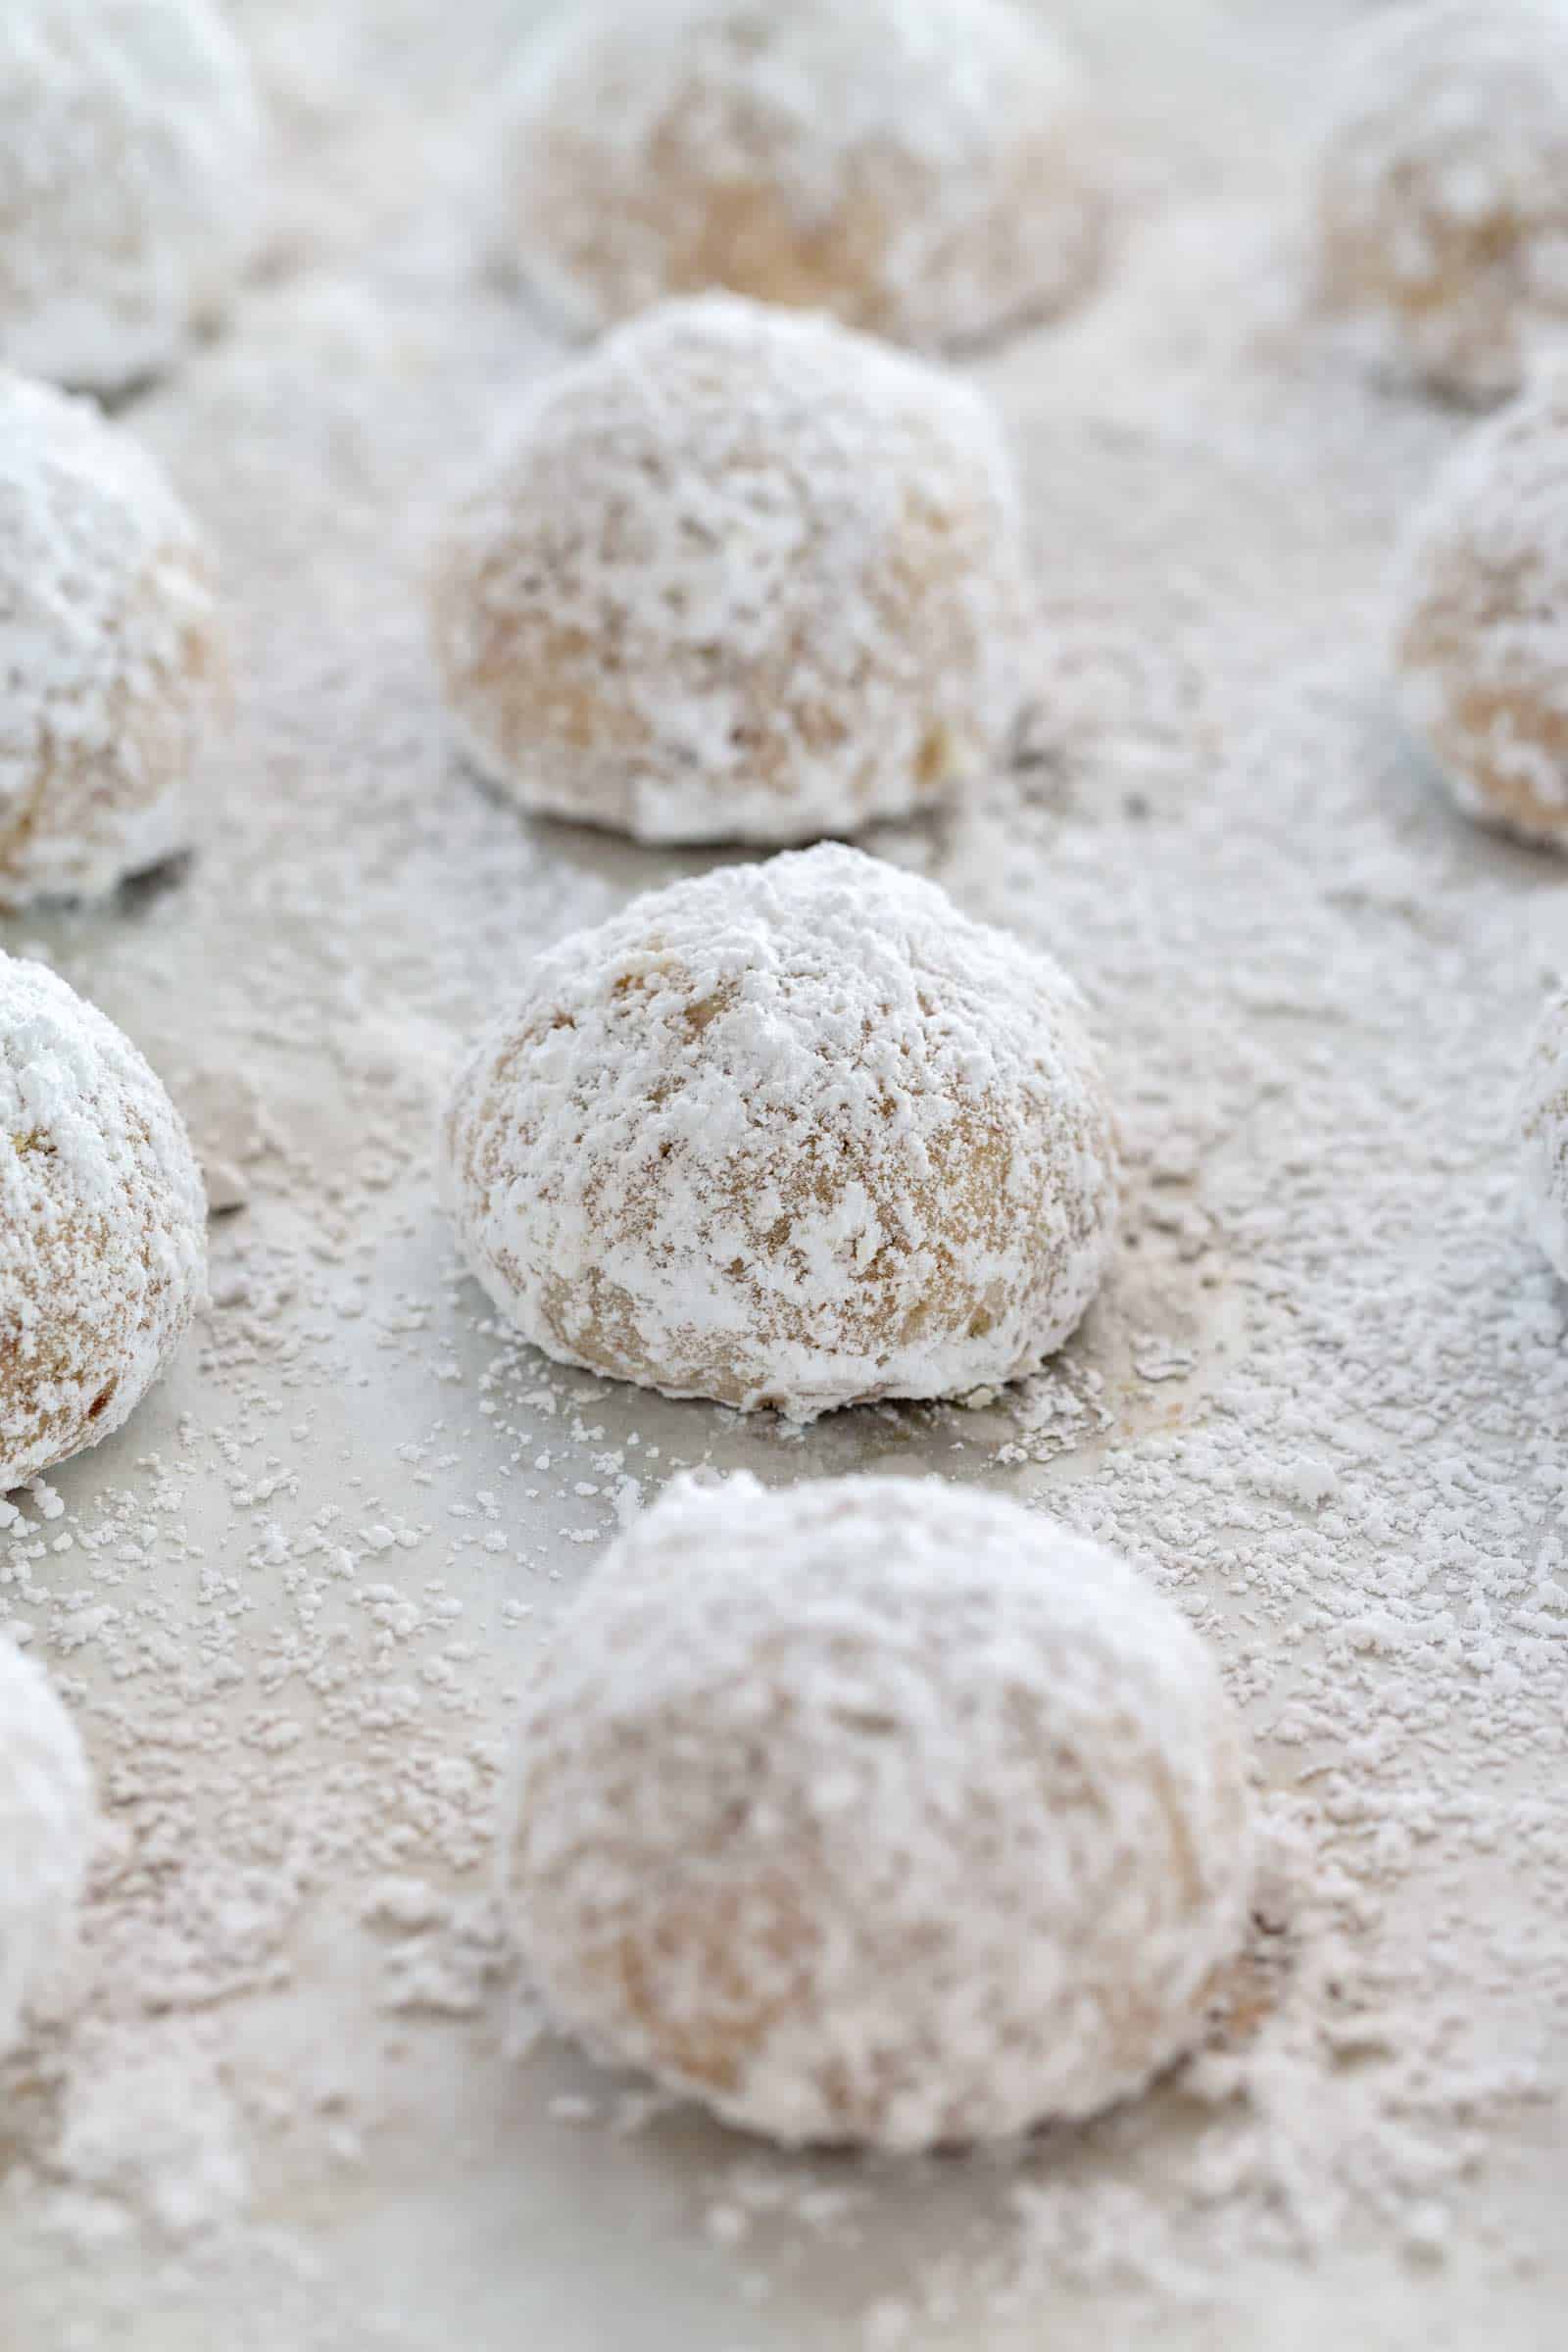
(1544, 1136)
(742, 575)
(925, 168)
(108, 652)
(878, 1810)
(46, 1818)
(130, 151)
(1442, 191)
(1481, 640)
(103, 1239)
(796, 1135)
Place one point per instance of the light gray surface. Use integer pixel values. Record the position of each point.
(353, 904)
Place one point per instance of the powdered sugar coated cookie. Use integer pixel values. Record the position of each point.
(876, 1810)
(1544, 1136)
(1481, 637)
(796, 1135)
(46, 1818)
(103, 1239)
(130, 150)
(741, 575)
(1442, 191)
(108, 651)
(929, 170)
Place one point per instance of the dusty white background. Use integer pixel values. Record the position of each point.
(1325, 1398)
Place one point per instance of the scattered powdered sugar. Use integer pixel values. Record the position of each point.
(147, 2134)
(107, 646)
(1442, 221)
(796, 1135)
(878, 1811)
(1482, 618)
(103, 1248)
(45, 1837)
(129, 145)
(928, 169)
(738, 577)
(287, 1604)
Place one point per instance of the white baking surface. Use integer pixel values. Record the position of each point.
(1323, 1397)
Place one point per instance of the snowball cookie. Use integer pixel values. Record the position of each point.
(46, 1827)
(1481, 628)
(878, 1810)
(1544, 1136)
(1442, 191)
(742, 576)
(930, 169)
(103, 1231)
(795, 1135)
(110, 663)
(130, 150)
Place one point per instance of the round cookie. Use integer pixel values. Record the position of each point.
(103, 1233)
(1544, 1136)
(876, 1810)
(741, 576)
(1441, 192)
(1480, 618)
(129, 156)
(46, 1830)
(795, 1135)
(113, 665)
(927, 170)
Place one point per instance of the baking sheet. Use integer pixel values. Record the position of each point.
(304, 2100)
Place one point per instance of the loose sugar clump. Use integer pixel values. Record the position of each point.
(929, 170)
(1441, 206)
(109, 652)
(741, 576)
(796, 1135)
(103, 1241)
(129, 152)
(1481, 643)
(878, 1811)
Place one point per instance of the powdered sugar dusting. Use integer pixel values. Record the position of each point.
(288, 1603)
